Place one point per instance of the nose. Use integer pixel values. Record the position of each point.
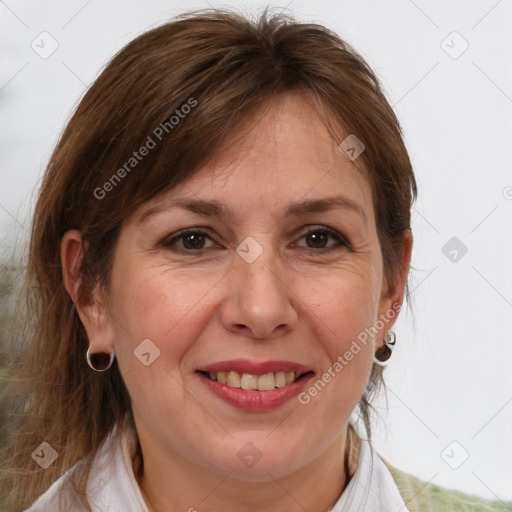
(259, 301)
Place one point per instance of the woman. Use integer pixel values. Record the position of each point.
(219, 252)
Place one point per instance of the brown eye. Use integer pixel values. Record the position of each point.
(318, 239)
(191, 240)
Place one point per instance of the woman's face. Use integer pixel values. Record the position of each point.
(267, 281)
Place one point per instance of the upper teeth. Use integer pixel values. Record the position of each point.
(265, 382)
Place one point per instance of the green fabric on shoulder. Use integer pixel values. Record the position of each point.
(420, 496)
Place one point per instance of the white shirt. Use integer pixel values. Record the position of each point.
(112, 486)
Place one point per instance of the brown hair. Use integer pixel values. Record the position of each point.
(223, 66)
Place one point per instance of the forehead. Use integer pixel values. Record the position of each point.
(275, 158)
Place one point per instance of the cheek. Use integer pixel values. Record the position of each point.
(343, 312)
(151, 302)
(345, 306)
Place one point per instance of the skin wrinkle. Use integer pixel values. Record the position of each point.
(200, 309)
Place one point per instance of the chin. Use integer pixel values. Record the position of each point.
(255, 462)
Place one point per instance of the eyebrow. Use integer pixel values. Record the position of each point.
(216, 208)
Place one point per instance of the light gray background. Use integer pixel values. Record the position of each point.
(450, 377)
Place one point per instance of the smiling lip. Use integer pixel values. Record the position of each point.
(255, 400)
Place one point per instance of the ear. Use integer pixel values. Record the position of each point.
(92, 312)
(393, 293)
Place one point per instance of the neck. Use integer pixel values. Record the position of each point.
(188, 487)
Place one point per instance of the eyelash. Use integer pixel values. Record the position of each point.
(168, 243)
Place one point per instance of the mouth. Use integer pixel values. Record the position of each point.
(255, 386)
(251, 381)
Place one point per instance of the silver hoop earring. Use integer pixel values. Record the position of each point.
(100, 361)
(384, 353)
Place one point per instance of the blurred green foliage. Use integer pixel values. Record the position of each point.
(9, 285)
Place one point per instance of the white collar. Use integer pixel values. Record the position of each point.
(371, 488)
(112, 486)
